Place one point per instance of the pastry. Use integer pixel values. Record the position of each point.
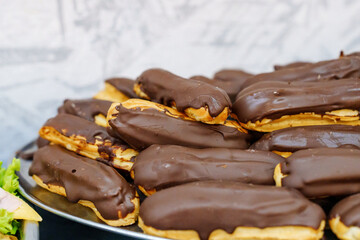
(269, 106)
(346, 67)
(142, 123)
(198, 100)
(289, 140)
(321, 172)
(228, 210)
(163, 166)
(90, 183)
(117, 90)
(230, 80)
(232, 75)
(344, 218)
(232, 88)
(290, 65)
(93, 110)
(88, 139)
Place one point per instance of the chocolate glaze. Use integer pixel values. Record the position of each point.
(163, 166)
(40, 142)
(70, 125)
(333, 69)
(210, 205)
(275, 99)
(85, 108)
(232, 75)
(141, 128)
(124, 85)
(291, 65)
(231, 88)
(297, 138)
(348, 210)
(323, 172)
(164, 87)
(353, 54)
(84, 179)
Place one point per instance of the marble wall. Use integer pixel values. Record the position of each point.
(56, 49)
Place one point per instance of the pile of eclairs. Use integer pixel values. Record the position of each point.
(237, 156)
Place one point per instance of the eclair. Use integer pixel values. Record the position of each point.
(229, 210)
(88, 182)
(270, 106)
(230, 80)
(142, 123)
(290, 65)
(88, 139)
(321, 172)
(346, 67)
(289, 140)
(198, 100)
(163, 166)
(232, 75)
(344, 219)
(117, 90)
(231, 87)
(93, 110)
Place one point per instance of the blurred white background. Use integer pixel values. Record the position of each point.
(56, 49)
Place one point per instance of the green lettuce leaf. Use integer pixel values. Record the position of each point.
(8, 179)
(8, 225)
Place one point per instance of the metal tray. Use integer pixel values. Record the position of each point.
(61, 206)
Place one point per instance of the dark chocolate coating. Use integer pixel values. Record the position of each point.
(124, 85)
(164, 166)
(85, 108)
(274, 99)
(84, 179)
(41, 142)
(210, 205)
(348, 210)
(141, 128)
(353, 54)
(232, 88)
(297, 138)
(232, 75)
(346, 67)
(291, 65)
(323, 172)
(70, 125)
(164, 87)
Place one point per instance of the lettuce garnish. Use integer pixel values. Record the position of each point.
(8, 179)
(8, 226)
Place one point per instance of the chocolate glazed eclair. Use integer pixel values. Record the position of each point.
(228, 210)
(198, 100)
(321, 172)
(344, 218)
(346, 67)
(88, 139)
(289, 140)
(163, 166)
(291, 65)
(142, 123)
(117, 90)
(85, 181)
(270, 106)
(230, 80)
(93, 110)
